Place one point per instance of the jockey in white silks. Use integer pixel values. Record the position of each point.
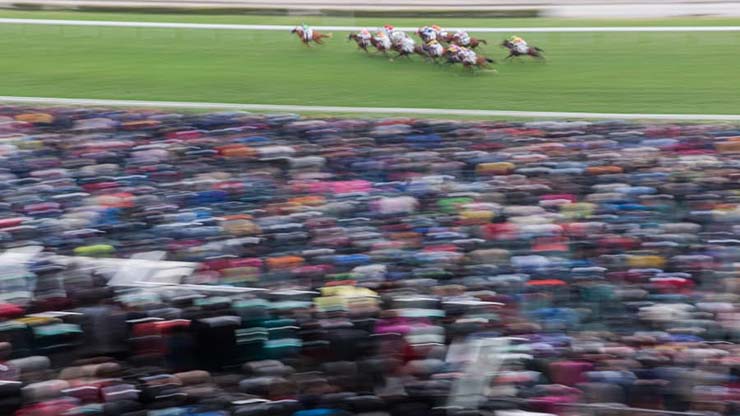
(468, 56)
(434, 48)
(427, 34)
(462, 38)
(382, 39)
(520, 45)
(307, 32)
(406, 46)
(397, 37)
(440, 33)
(365, 35)
(392, 33)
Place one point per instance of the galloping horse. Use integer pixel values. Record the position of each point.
(362, 42)
(307, 35)
(515, 51)
(431, 50)
(381, 43)
(480, 62)
(464, 40)
(453, 54)
(406, 47)
(467, 57)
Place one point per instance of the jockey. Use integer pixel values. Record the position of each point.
(307, 32)
(407, 45)
(434, 47)
(427, 34)
(468, 56)
(520, 45)
(462, 38)
(441, 34)
(453, 53)
(396, 36)
(382, 38)
(364, 34)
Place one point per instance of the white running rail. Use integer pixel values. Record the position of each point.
(219, 26)
(363, 110)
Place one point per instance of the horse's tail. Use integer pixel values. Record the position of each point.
(483, 41)
(538, 49)
(329, 35)
(490, 61)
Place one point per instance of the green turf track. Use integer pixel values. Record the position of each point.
(591, 72)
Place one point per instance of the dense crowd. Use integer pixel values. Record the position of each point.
(598, 260)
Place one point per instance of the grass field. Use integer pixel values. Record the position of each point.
(590, 72)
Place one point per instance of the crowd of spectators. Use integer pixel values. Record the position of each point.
(371, 261)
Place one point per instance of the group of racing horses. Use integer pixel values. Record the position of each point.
(436, 44)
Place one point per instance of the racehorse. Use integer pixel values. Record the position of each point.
(472, 44)
(362, 43)
(422, 51)
(406, 47)
(311, 36)
(452, 55)
(532, 51)
(481, 62)
(382, 44)
(427, 53)
(467, 57)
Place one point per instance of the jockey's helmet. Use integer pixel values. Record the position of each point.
(436, 28)
(388, 27)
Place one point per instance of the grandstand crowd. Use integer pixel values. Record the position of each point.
(602, 257)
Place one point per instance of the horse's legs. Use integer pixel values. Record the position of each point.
(511, 55)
